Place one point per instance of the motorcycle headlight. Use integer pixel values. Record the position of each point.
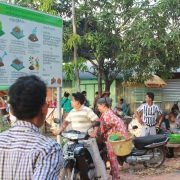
(73, 136)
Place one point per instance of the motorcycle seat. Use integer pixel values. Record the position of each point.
(140, 142)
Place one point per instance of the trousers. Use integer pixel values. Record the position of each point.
(92, 147)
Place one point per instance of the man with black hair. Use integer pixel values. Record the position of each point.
(24, 152)
(86, 101)
(149, 110)
(81, 118)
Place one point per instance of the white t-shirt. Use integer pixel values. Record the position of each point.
(82, 119)
(149, 113)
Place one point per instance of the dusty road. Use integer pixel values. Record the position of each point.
(169, 171)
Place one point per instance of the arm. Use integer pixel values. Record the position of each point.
(95, 131)
(48, 164)
(62, 128)
(138, 117)
(160, 120)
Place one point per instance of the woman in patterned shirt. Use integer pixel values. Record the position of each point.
(109, 119)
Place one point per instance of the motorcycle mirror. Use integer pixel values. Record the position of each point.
(135, 127)
(57, 121)
(96, 124)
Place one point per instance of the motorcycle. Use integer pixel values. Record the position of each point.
(148, 150)
(78, 163)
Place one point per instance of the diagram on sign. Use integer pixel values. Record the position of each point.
(34, 63)
(1, 59)
(17, 32)
(17, 64)
(56, 81)
(1, 31)
(32, 37)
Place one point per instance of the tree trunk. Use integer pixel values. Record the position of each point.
(75, 47)
(100, 82)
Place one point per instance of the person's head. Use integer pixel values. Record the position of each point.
(103, 104)
(77, 100)
(149, 97)
(105, 94)
(27, 99)
(84, 93)
(166, 115)
(96, 94)
(66, 94)
(121, 101)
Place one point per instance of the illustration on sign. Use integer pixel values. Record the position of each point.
(34, 46)
(1, 59)
(53, 81)
(1, 31)
(34, 63)
(17, 64)
(32, 37)
(17, 32)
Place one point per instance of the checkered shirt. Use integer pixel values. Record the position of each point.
(25, 154)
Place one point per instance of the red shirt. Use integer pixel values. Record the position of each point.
(109, 119)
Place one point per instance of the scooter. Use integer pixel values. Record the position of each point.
(148, 150)
(77, 159)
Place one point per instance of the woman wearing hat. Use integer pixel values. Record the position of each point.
(110, 120)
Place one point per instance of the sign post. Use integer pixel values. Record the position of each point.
(30, 43)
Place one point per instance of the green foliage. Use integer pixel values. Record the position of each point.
(69, 68)
(125, 37)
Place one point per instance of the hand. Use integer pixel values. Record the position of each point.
(56, 131)
(126, 138)
(157, 124)
(93, 135)
(141, 122)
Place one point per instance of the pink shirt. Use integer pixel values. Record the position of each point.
(109, 119)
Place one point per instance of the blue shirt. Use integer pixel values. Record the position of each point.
(25, 154)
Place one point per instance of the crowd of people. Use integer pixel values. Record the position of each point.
(30, 155)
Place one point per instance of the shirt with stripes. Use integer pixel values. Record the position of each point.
(25, 154)
(149, 113)
(81, 119)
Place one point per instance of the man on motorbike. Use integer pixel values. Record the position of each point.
(81, 118)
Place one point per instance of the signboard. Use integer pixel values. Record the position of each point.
(30, 43)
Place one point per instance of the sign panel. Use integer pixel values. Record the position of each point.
(30, 43)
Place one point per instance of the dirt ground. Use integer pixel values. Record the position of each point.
(170, 170)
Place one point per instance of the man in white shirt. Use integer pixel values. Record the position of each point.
(149, 110)
(81, 118)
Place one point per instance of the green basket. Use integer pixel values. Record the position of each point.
(174, 138)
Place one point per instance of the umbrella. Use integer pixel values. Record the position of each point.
(132, 84)
(155, 81)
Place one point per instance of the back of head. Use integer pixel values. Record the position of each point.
(26, 97)
(122, 100)
(150, 95)
(84, 92)
(107, 101)
(79, 97)
(66, 94)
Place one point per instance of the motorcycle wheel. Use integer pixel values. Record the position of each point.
(156, 162)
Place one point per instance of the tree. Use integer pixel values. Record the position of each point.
(128, 37)
(125, 37)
